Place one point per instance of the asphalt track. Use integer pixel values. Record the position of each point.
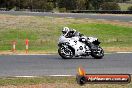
(41, 65)
(124, 18)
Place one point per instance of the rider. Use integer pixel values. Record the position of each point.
(68, 33)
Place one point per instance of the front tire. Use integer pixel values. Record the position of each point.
(65, 52)
(97, 53)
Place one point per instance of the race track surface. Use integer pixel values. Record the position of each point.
(41, 65)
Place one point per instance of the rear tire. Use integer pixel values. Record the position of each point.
(98, 53)
(65, 53)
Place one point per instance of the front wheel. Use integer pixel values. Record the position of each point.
(65, 52)
(97, 53)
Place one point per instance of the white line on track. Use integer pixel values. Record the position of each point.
(42, 76)
(101, 19)
(41, 54)
(34, 54)
(108, 53)
(119, 53)
(123, 52)
(115, 20)
(25, 76)
(61, 75)
(130, 21)
(69, 17)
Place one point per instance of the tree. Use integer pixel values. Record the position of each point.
(23, 4)
(118, 1)
(110, 6)
(81, 4)
(96, 4)
(41, 5)
(130, 8)
(89, 5)
(8, 4)
(2, 3)
(63, 4)
(68, 4)
(49, 6)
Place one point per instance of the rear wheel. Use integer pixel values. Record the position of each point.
(65, 52)
(97, 53)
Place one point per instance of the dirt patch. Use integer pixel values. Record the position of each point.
(44, 85)
(118, 49)
(119, 23)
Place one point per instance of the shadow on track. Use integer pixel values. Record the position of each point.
(75, 58)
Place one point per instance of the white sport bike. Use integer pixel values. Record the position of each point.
(79, 46)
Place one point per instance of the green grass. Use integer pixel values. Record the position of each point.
(110, 35)
(53, 82)
(43, 32)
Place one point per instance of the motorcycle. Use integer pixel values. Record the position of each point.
(79, 47)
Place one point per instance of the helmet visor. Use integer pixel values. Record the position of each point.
(64, 32)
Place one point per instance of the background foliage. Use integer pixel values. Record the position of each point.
(48, 5)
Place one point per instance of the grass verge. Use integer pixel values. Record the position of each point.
(43, 32)
(52, 82)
